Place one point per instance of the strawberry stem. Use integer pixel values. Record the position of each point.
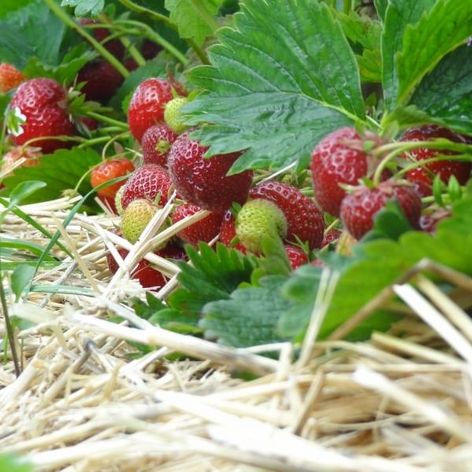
(148, 32)
(424, 162)
(440, 143)
(66, 19)
(106, 119)
(200, 53)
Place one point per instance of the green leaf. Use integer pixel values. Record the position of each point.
(300, 289)
(441, 30)
(381, 7)
(66, 71)
(375, 265)
(21, 278)
(212, 275)
(23, 35)
(59, 171)
(12, 463)
(249, 317)
(85, 7)
(9, 6)
(194, 18)
(398, 15)
(25, 189)
(276, 102)
(454, 75)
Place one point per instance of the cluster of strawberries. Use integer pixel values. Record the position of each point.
(241, 212)
(173, 161)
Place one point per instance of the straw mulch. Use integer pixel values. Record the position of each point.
(85, 402)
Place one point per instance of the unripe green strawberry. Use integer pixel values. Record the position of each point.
(136, 217)
(258, 219)
(173, 115)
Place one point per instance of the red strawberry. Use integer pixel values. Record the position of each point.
(203, 230)
(147, 105)
(359, 208)
(156, 143)
(43, 104)
(150, 182)
(204, 182)
(228, 232)
(296, 256)
(101, 79)
(115, 46)
(305, 221)
(423, 176)
(109, 170)
(337, 159)
(10, 77)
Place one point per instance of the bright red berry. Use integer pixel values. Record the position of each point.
(423, 176)
(296, 256)
(359, 208)
(10, 77)
(304, 219)
(204, 182)
(147, 105)
(107, 171)
(156, 143)
(151, 182)
(337, 159)
(42, 103)
(203, 230)
(101, 79)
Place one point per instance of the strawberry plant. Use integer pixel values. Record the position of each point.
(279, 187)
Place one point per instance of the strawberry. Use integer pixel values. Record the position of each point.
(257, 220)
(109, 170)
(151, 182)
(156, 143)
(228, 232)
(296, 256)
(337, 159)
(305, 221)
(147, 105)
(173, 114)
(42, 103)
(115, 46)
(423, 176)
(359, 208)
(204, 182)
(10, 77)
(136, 217)
(203, 230)
(101, 80)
